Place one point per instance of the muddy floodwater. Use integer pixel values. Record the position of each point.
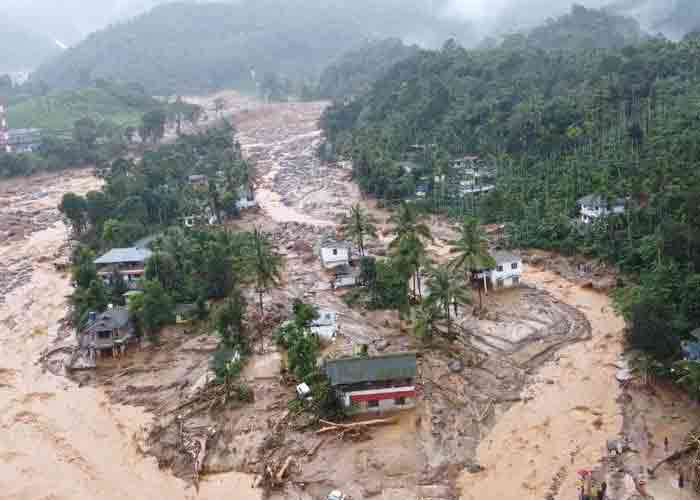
(57, 440)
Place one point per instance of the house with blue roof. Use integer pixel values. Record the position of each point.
(130, 263)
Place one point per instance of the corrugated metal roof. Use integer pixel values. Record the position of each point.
(503, 257)
(598, 200)
(112, 319)
(376, 369)
(120, 255)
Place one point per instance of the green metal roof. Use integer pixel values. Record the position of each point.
(355, 370)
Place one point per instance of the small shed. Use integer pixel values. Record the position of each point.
(335, 253)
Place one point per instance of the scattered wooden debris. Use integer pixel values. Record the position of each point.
(194, 443)
(354, 429)
(273, 474)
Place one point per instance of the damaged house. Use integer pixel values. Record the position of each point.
(336, 258)
(109, 331)
(325, 327)
(374, 384)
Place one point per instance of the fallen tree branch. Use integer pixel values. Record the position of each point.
(483, 415)
(673, 456)
(280, 474)
(332, 426)
(310, 454)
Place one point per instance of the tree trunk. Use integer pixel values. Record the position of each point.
(260, 295)
(420, 293)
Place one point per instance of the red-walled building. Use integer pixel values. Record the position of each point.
(376, 384)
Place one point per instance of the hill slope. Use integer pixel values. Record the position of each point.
(355, 71)
(21, 49)
(184, 47)
(121, 104)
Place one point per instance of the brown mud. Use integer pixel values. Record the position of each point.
(523, 399)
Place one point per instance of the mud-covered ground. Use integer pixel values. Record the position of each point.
(523, 399)
(464, 385)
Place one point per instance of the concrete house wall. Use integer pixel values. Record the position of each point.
(335, 255)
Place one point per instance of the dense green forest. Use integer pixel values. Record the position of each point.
(355, 71)
(183, 47)
(581, 29)
(554, 126)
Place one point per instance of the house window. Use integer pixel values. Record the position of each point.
(500, 269)
(373, 403)
(516, 280)
(104, 335)
(400, 401)
(499, 283)
(335, 251)
(514, 265)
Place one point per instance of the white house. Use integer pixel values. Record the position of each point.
(508, 270)
(595, 206)
(246, 198)
(325, 327)
(335, 254)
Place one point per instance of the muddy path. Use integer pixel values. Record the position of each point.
(58, 440)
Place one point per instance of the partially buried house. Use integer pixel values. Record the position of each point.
(374, 384)
(109, 331)
(336, 258)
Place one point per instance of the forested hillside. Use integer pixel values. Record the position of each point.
(355, 71)
(185, 47)
(674, 18)
(21, 49)
(555, 126)
(582, 29)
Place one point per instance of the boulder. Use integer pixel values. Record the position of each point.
(455, 366)
(381, 345)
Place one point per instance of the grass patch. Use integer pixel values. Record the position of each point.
(60, 110)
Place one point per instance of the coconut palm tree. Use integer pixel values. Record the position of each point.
(264, 263)
(472, 251)
(446, 291)
(409, 241)
(357, 225)
(426, 317)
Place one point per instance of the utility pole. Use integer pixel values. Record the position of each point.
(4, 131)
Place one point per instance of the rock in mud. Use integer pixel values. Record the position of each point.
(474, 468)
(456, 366)
(381, 345)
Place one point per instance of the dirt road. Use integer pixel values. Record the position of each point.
(57, 440)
